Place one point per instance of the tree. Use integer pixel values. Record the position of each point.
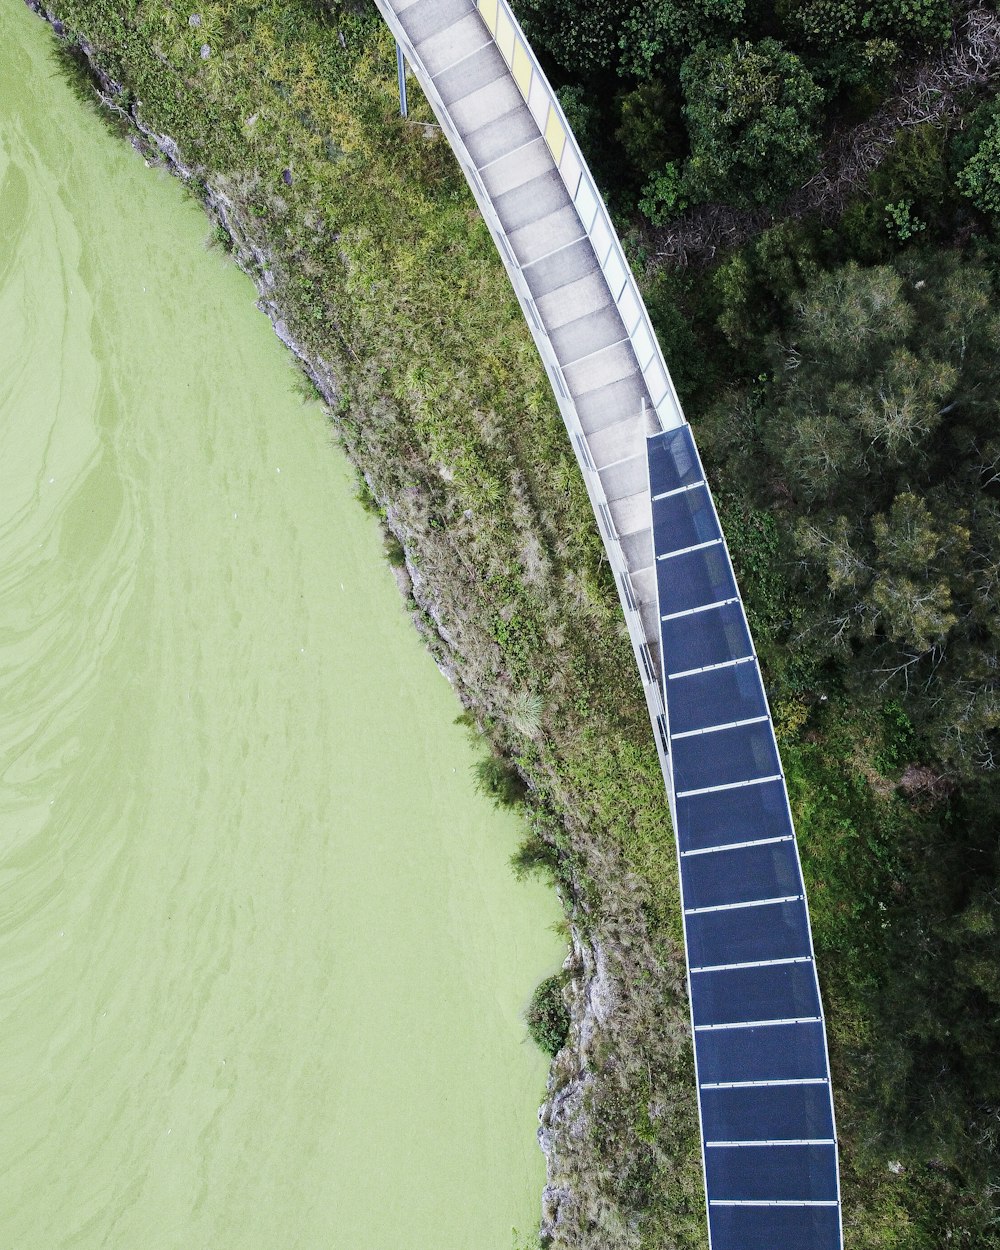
(882, 429)
(979, 178)
(889, 372)
(916, 556)
(580, 36)
(656, 30)
(751, 113)
(867, 382)
(896, 579)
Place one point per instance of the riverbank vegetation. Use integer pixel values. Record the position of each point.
(834, 335)
(547, 1015)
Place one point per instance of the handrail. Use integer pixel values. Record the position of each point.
(589, 203)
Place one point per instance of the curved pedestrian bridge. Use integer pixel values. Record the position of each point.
(768, 1135)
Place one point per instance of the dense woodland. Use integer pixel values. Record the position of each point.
(810, 193)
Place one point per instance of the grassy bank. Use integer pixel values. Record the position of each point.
(364, 235)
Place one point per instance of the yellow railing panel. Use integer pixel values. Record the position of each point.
(505, 36)
(521, 68)
(555, 135)
(488, 11)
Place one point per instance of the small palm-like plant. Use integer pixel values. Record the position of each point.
(526, 713)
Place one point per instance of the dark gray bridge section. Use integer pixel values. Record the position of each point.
(760, 1048)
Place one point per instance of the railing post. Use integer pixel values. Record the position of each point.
(401, 76)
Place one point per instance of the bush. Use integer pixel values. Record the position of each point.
(499, 781)
(662, 196)
(584, 119)
(581, 37)
(979, 178)
(751, 112)
(653, 31)
(828, 24)
(909, 193)
(901, 222)
(921, 22)
(534, 855)
(394, 551)
(650, 128)
(548, 1016)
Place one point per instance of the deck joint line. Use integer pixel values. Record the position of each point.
(481, 169)
(757, 902)
(737, 846)
(458, 60)
(757, 1024)
(773, 1202)
(714, 729)
(702, 607)
(796, 1080)
(465, 57)
(766, 1142)
(683, 551)
(555, 251)
(613, 464)
(755, 963)
(711, 668)
(729, 785)
(569, 364)
(678, 490)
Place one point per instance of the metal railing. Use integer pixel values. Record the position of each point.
(547, 112)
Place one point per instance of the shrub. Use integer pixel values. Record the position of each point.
(829, 23)
(580, 36)
(394, 551)
(662, 196)
(655, 30)
(979, 178)
(901, 222)
(547, 1016)
(650, 129)
(499, 781)
(584, 118)
(534, 855)
(751, 112)
(922, 22)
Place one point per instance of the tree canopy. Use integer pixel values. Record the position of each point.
(885, 411)
(751, 116)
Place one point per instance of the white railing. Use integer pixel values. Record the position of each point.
(589, 204)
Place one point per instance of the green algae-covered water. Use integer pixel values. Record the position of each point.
(262, 961)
